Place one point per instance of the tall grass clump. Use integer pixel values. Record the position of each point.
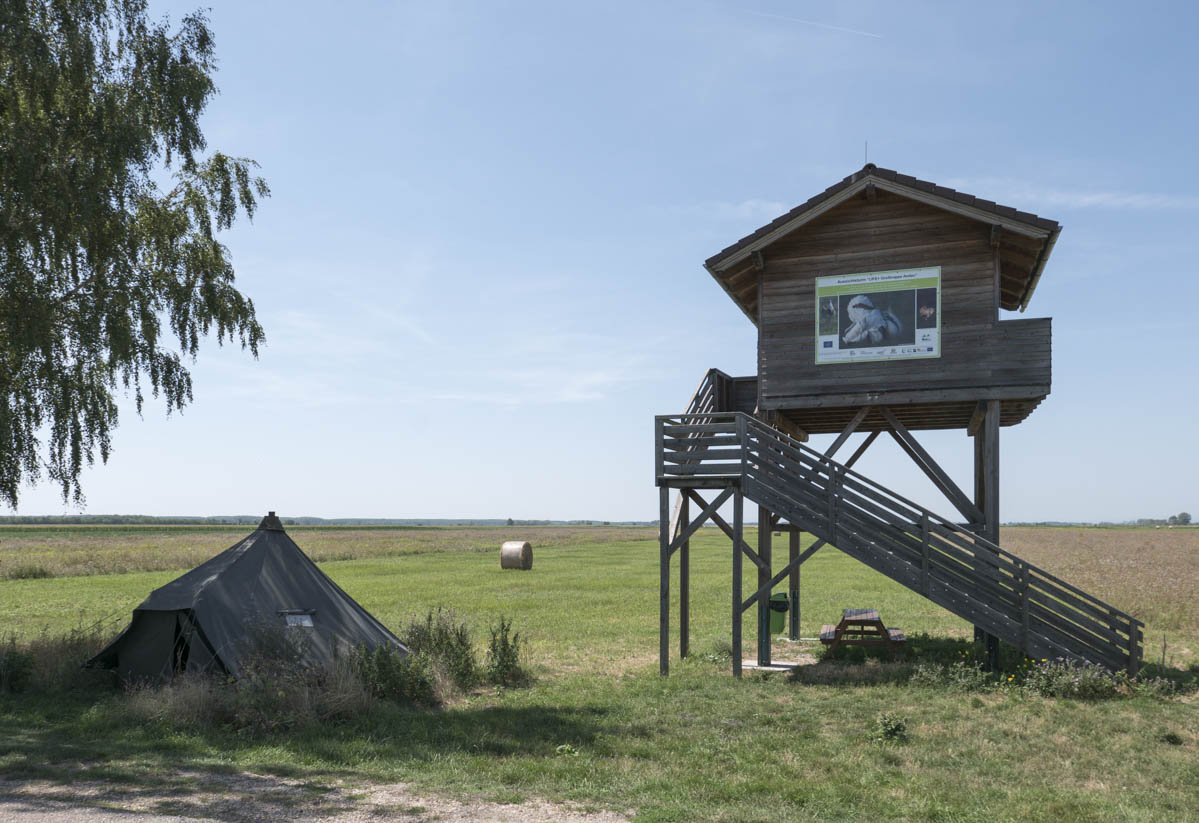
(386, 674)
(277, 689)
(962, 676)
(1089, 681)
(444, 641)
(29, 571)
(504, 652)
(16, 668)
(53, 663)
(278, 686)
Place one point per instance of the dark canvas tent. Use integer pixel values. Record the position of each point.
(200, 621)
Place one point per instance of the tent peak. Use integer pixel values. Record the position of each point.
(271, 523)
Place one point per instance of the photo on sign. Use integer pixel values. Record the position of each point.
(828, 315)
(926, 308)
(881, 318)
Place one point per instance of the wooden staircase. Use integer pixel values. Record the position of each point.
(958, 570)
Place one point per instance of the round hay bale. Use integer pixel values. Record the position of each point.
(516, 554)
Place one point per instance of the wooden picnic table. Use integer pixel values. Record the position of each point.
(861, 627)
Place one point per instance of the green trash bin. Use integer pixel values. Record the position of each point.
(780, 604)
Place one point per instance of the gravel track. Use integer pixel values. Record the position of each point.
(250, 798)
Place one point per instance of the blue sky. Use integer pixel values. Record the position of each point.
(480, 272)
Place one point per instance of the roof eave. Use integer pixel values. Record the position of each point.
(724, 285)
(1035, 278)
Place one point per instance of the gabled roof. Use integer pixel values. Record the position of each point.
(1029, 238)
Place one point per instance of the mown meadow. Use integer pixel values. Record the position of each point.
(598, 727)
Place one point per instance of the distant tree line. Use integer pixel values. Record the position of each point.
(1180, 519)
(252, 520)
(128, 520)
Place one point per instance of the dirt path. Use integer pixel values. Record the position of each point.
(250, 798)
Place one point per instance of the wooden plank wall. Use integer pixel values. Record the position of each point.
(879, 234)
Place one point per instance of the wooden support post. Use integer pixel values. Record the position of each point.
(793, 613)
(991, 462)
(986, 490)
(924, 549)
(980, 494)
(832, 504)
(1024, 604)
(685, 583)
(1134, 649)
(764, 575)
(664, 537)
(738, 528)
(991, 501)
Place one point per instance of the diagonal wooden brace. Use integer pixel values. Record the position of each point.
(930, 467)
(705, 513)
(728, 530)
(778, 578)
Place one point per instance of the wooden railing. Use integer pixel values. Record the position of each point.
(712, 395)
(975, 579)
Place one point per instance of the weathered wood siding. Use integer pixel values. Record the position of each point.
(978, 354)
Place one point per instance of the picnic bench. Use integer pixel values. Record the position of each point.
(861, 627)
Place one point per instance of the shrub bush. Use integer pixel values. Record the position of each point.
(388, 675)
(1081, 681)
(503, 666)
(720, 652)
(889, 728)
(962, 676)
(53, 664)
(445, 642)
(16, 668)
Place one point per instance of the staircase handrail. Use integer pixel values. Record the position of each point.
(838, 470)
(701, 403)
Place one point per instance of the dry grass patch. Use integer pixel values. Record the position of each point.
(30, 552)
(1149, 573)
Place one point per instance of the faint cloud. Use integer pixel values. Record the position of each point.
(262, 387)
(752, 209)
(552, 368)
(1012, 192)
(813, 23)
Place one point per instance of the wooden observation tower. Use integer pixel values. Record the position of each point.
(877, 307)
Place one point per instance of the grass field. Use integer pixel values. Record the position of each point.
(600, 728)
(65, 551)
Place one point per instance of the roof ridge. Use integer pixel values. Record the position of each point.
(890, 175)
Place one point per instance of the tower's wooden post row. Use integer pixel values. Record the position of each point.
(765, 572)
(665, 538)
(793, 613)
(738, 530)
(684, 580)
